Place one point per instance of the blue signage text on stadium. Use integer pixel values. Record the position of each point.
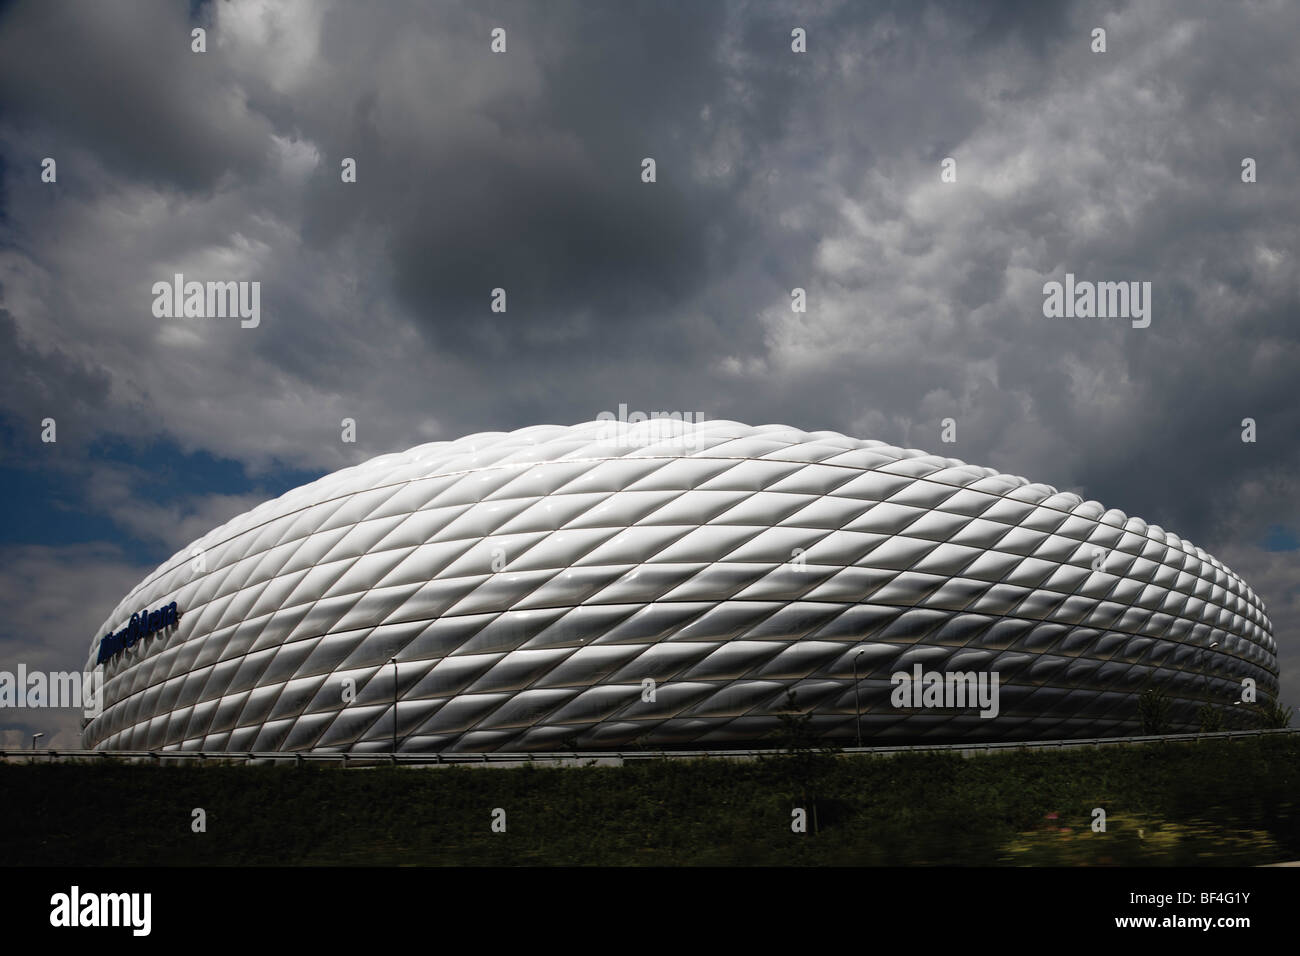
(141, 626)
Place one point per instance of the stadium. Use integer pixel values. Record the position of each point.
(667, 585)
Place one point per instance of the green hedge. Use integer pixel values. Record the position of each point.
(1208, 802)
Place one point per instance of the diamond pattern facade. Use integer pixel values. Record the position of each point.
(531, 584)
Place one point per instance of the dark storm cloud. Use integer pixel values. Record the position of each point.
(118, 81)
(38, 384)
(537, 189)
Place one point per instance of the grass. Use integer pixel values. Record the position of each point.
(1211, 802)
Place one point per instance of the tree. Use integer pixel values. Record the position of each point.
(796, 735)
(1271, 715)
(1153, 711)
(804, 762)
(1209, 719)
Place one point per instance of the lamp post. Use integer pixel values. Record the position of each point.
(34, 738)
(1201, 656)
(857, 703)
(393, 661)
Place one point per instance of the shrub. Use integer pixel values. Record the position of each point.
(1209, 719)
(1153, 711)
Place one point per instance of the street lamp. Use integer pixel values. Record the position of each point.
(1205, 674)
(857, 704)
(393, 661)
(34, 736)
(1201, 656)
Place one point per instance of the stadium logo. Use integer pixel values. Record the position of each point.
(142, 624)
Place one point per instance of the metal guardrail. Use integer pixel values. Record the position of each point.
(585, 758)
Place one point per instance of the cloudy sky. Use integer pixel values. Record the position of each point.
(522, 170)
